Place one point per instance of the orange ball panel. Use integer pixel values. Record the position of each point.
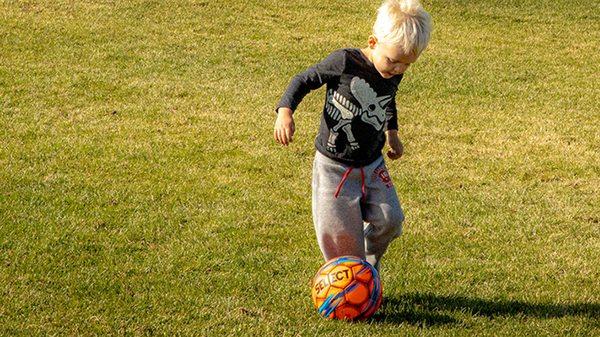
(347, 312)
(363, 274)
(334, 290)
(318, 302)
(371, 311)
(359, 294)
(357, 269)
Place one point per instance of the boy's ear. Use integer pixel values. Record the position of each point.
(372, 41)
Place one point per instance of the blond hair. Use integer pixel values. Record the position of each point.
(404, 23)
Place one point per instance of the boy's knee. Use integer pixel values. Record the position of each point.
(394, 223)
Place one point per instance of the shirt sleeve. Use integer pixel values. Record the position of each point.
(391, 115)
(313, 78)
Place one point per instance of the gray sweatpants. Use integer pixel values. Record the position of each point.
(355, 210)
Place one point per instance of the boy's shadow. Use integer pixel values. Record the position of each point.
(430, 309)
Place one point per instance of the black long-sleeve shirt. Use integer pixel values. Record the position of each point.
(359, 105)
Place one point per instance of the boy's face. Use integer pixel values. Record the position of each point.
(390, 60)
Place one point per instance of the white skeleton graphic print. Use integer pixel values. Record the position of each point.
(371, 111)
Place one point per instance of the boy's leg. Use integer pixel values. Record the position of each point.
(338, 221)
(382, 212)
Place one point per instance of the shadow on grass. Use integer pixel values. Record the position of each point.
(431, 310)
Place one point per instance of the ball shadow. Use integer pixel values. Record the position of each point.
(432, 310)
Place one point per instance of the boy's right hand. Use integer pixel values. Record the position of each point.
(284, 126)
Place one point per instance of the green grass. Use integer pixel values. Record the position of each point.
(141, 192)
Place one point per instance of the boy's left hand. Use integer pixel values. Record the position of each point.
(396, 148)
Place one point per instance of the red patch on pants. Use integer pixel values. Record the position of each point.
(382, 174)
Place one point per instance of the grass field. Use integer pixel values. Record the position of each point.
(141, 191)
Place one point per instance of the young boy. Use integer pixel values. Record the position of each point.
(355, 207)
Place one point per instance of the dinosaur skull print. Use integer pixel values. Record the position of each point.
(343, 111)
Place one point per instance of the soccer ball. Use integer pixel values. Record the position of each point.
(348, 288)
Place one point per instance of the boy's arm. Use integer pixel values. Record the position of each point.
(391, 131)
(311, 79)
(396, 148)
(391, 115)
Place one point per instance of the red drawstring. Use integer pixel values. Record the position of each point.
(345, 176)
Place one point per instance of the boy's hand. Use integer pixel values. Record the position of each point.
(284, 126)
(396, 148)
